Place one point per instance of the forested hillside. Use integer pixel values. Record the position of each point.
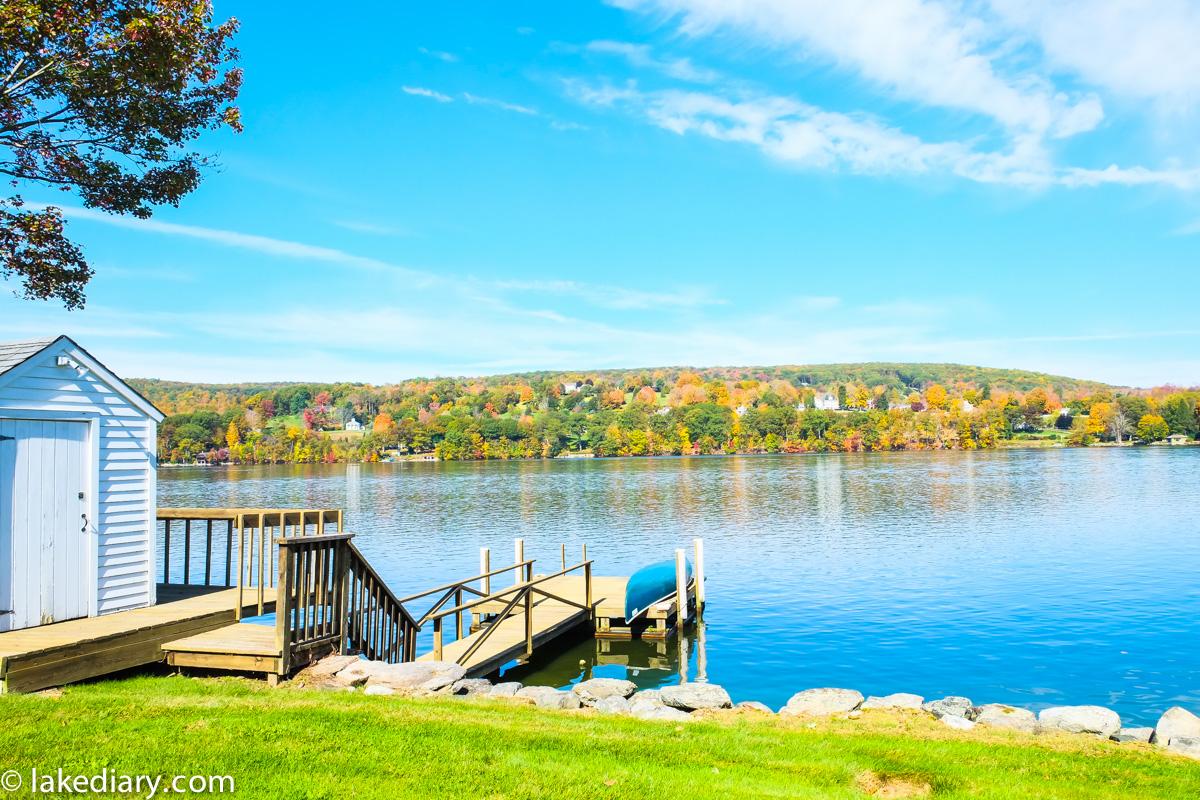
(842, 407)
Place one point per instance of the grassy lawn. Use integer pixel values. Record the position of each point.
(293, 743)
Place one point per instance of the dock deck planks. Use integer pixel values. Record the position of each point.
(64, 652)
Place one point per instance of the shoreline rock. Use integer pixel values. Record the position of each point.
(1096, 720)
(823, 702)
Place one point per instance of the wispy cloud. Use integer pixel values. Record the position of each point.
(617, 297)
(362, 226)
(642, 57)
(420, 91)
(477, 100)
(440, 55)
(1191, 229)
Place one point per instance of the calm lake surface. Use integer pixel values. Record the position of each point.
(1030, 577)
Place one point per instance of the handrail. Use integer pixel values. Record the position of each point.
(464, 581)
(518, 587)
(522, 593)
(366, 567)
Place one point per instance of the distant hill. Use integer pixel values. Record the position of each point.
(874, 373)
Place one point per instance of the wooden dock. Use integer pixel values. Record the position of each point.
(78, 649)
(300, 596)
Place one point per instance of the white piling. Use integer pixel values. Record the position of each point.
(698, 572)
(681, 595)
(485, 566)
(519, 556)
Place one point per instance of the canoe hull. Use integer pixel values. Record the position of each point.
(649, 585)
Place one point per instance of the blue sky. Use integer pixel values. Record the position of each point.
(469, 188)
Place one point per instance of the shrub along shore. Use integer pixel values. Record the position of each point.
(298, 741)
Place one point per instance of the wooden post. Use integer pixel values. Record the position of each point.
(228, 552)
(341, 569)
(528, 624)
(698, 572)
(437, 638)
(241, 561)
(167, 552)
(283, 609)
(187, 551)
(587, 590)
(485, 566)
(458, 595)
(564, 556)
(340, 521)
(208, 555)
(519, 553)
(262, 530)
(681, 596)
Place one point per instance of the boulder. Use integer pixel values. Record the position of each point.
(952, 706)
(413, 677)
(379, 689)
(647, 696)
(613, 704)
(956, 722)
(506, 689)
(1186, 746)
(549, 697)
(754, 705)
(1096, 720)
(998, 715)
(663, 713)
(694, 696)
(471, 686)
(1176, 722)
(898, 700)
(331, 665)
(1133, 735)
(822, 702)
(591, 691)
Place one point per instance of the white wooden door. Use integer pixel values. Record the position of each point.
(44, 531)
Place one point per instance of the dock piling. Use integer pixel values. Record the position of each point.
(698, 550)
(681, 592)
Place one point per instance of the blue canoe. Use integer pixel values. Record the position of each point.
(650, 585)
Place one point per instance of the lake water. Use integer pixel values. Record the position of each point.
(1030, 577)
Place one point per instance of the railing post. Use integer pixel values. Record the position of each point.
(587, 589)
(458, 596)
(341, 573)
(208, 556)
(698, 573)
(564, 555)
(241, 525)
(519, 553)
(283, 608)
(437, 638)
(166, 552)
(528, 623)
(187, 551)
(262, 532)
(485, 566)
(681, 596)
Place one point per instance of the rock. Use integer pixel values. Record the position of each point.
(1096, 720)
(647, 696)
(591, 691)
(506, 689)
(1133, 735)
(693, 696)
(956, 722)
(331, 665)
(1176, 722)
(1186, 746)
(549, 697)
(998, 715)
(822, 702)
(898, 700)
(664, 713)
(470, 686)
(613, 704)
(412, 677)
(754, 705)
(379, 689)
(952, 706)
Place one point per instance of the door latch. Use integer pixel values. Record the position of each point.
(84, 529)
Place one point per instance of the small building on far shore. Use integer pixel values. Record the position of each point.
(353, 425)
(1177, 439)
(826, 401)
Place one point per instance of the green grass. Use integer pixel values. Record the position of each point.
(294, 743)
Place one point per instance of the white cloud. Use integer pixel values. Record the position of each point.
(420, 91)
(474, 99)
(925, 51)
(616, 297)
(362, 226)
(440, 55)
(641, 56)
(1130, 47)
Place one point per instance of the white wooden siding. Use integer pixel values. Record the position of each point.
(125, 467)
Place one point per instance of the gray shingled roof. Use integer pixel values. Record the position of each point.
(14, 354)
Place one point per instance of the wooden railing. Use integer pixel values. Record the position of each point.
(521, 603)
(522, 570)
(235, 545)
(378, 625)
(329, 599)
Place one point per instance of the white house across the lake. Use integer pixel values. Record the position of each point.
(353, 425)
(77, 486)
